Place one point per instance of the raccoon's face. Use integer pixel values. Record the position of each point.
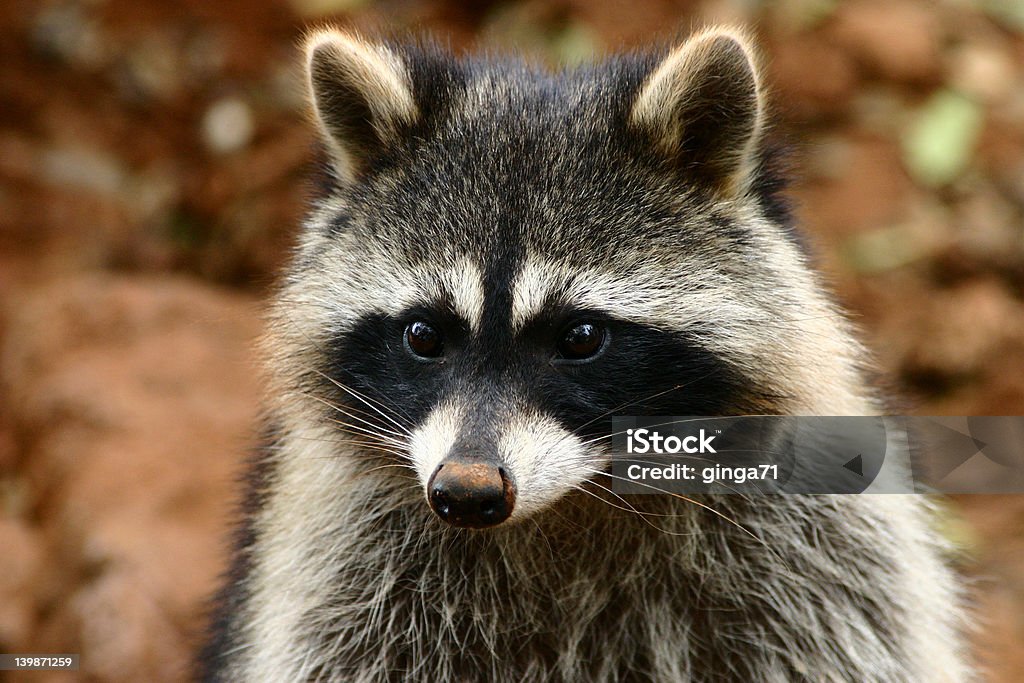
(508, 258)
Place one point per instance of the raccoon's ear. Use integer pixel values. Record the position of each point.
(703, 107)
(362, 97)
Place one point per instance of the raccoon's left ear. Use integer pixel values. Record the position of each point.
(703, 107)
(362, 97)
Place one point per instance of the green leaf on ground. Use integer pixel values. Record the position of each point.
(881, 250)
(939, 144)
(1010, 13)
(575, 44)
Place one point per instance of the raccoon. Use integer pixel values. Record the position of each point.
(504, 257)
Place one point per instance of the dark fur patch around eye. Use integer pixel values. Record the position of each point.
(643, 371)
(647, 371)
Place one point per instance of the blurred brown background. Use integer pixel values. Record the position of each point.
(153, 165)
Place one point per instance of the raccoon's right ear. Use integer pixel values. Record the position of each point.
(703, 108)
(362, 97)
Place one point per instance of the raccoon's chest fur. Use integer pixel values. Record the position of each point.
(501, 260)
(788, 592)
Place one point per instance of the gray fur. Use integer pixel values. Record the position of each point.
(508, 190)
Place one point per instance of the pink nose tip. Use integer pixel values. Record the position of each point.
(476, 495)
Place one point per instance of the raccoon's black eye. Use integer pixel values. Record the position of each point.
(582, 341)
(423, 339)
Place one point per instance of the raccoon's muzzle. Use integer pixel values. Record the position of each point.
(474, 495)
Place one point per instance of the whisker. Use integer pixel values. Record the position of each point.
(642, 515)
(367, 432)
(646, 398)
(345, 412)
(371, 447)
(699, 504)
(349, 441)
(369, 402)
(363, 431)
(632, 508)
(345, 406)
(320, 348)
(390, 465)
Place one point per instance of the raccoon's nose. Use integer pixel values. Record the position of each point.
(471, 494)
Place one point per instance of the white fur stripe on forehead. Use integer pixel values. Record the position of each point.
(464, 286)
(658, 298)
(461, 285)
(376, 284)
